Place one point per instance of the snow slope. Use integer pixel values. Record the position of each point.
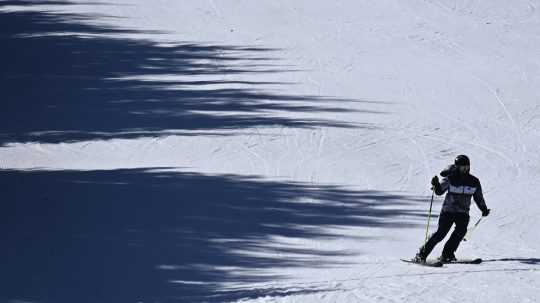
(264, 151)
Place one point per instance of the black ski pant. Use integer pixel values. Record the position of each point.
(446, 220)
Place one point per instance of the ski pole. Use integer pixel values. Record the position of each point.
(470, 230)
(429, 215)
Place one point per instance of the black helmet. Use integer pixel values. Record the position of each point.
(462, 160)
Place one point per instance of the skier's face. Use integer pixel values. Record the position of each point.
(463, 169)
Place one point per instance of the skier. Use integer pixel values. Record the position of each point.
(461, 186)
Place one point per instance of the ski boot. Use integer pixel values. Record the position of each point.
(419, 258)
(447, 259)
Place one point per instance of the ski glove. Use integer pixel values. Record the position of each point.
(435, 181)
(485, 212)
(450, 170)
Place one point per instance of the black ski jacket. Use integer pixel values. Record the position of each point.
(460, 189)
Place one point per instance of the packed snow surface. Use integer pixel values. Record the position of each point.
(264, 151)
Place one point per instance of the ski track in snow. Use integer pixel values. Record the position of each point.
(410, 286)
(507, 113)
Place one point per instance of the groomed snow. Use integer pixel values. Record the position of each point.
(264, 151)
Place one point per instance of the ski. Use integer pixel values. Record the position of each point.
(429, 263)
(465, 261)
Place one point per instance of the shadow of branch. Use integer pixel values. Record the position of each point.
(157, 234)
(67, 80)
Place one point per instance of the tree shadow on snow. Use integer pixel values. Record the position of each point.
(153, 235)
(65, 80)
(158, 235)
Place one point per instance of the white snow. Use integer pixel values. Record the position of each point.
(265, 151)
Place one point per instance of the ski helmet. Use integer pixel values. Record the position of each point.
(462, 160)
